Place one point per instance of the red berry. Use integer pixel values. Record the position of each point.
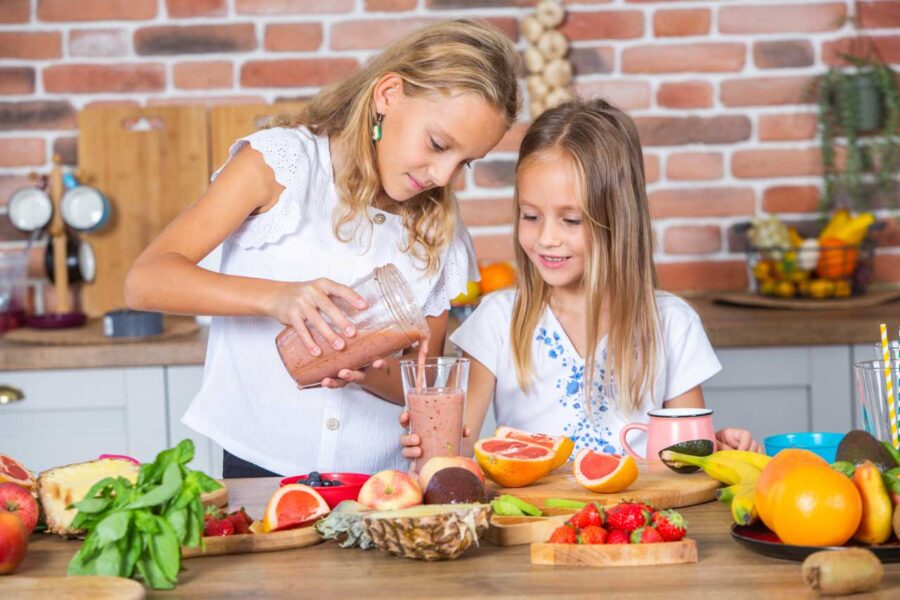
(645, 535)
(617, 536)
(586, 517)
(218, 527)
(564, 535)
(241, 521)
(627, 516)
(592, 534)
(670, 525)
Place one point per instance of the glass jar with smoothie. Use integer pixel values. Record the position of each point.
(392, 322)
(435, 394)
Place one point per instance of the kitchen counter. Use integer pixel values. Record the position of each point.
(725, 569)
(727, 326)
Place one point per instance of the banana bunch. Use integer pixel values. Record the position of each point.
(737, 469)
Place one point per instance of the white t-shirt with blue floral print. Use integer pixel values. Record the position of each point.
(554, 403)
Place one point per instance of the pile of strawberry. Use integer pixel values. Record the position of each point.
(624, 523)
(219, 523)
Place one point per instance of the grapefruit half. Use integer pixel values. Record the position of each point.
(12, 471)
(513, 463)
(293, 505)
(604, 473)
(561, 446)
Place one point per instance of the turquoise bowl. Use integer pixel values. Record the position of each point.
(823, 444)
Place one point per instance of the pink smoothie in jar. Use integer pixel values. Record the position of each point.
(391, 322)
(436, 415)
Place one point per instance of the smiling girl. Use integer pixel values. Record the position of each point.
(586, 343)
(362, 177)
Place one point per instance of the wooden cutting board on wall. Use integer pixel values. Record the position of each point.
(229, 122)
(150, 163)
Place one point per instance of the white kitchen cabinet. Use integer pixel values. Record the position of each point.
(74, 415)
(783, 390)
(182, 384)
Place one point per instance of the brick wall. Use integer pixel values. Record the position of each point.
(719, 90)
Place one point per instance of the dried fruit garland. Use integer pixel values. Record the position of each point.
(550, 72)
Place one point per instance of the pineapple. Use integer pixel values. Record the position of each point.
(59, 487)
(345, 525)
(432, 532)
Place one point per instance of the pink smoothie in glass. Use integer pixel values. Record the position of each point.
(361, 350)
(436, 416)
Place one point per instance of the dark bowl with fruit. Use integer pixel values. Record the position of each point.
(333, 487)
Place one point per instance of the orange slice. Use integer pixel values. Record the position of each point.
(561, 446)
(12, 471)
(513, 463)
(292, 506)
(604, 473)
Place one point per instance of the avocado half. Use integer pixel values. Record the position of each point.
(859, 446)
(691, 447)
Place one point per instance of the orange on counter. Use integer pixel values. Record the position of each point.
(496, 276)
(836, 259)
(806, 502)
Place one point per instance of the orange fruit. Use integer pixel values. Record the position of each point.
(814, 505)
(780, 464)
(836, 259)
(513, 463)
(561, 446)
(496, 276)
(604, 473)
(12, 471)
(293, 505)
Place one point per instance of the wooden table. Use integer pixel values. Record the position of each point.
(725, 570)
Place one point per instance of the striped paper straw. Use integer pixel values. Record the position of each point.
(889, 384)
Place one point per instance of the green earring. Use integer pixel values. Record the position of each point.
(376, 129)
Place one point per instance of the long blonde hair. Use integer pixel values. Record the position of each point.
(448, 58)
(602, 143)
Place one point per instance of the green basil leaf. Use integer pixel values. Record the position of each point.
(170, 485)
(113, 527)
(92, 505)
(81, 564)
(166, 550)
(152, 574)
(109, 561)
(178, 519)
(132, 545)
(145, 522)
(206, 483)
(184, 451)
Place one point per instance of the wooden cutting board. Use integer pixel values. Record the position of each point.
(150, 163)
(615, 555)
(71, 588)
(517, 531)
(657, 486)
(255, 542)
(229, 122)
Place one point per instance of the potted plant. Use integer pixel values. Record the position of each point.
(859, 109)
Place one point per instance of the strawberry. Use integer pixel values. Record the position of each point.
(670, 525)
(586, 517)
(645, 535)
(240, 520)
(592, 534)
(564, 535)
(627, 516)
(218, 527)
(617, 536)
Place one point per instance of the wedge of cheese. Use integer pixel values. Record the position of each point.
(60, 487)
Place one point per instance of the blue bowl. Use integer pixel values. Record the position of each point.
(823, 444)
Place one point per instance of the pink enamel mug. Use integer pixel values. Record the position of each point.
(670, 426)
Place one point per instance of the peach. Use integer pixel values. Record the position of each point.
(16, 499)
(437, 463)
(13, 542)
(390, 490)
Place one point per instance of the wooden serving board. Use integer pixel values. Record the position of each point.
(756, 300)
(92, 333)
(615, 555)
(516, 531)
(218, 498)
(655, 485)
(98, 587)
(229, 122)
(255, 542)
(150, 163)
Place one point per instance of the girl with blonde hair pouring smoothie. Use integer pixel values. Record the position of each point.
(361, 178)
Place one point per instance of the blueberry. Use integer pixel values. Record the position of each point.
(314, 483)
(336, 482)
(314, 475)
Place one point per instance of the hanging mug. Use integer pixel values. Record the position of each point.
(669, 426)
